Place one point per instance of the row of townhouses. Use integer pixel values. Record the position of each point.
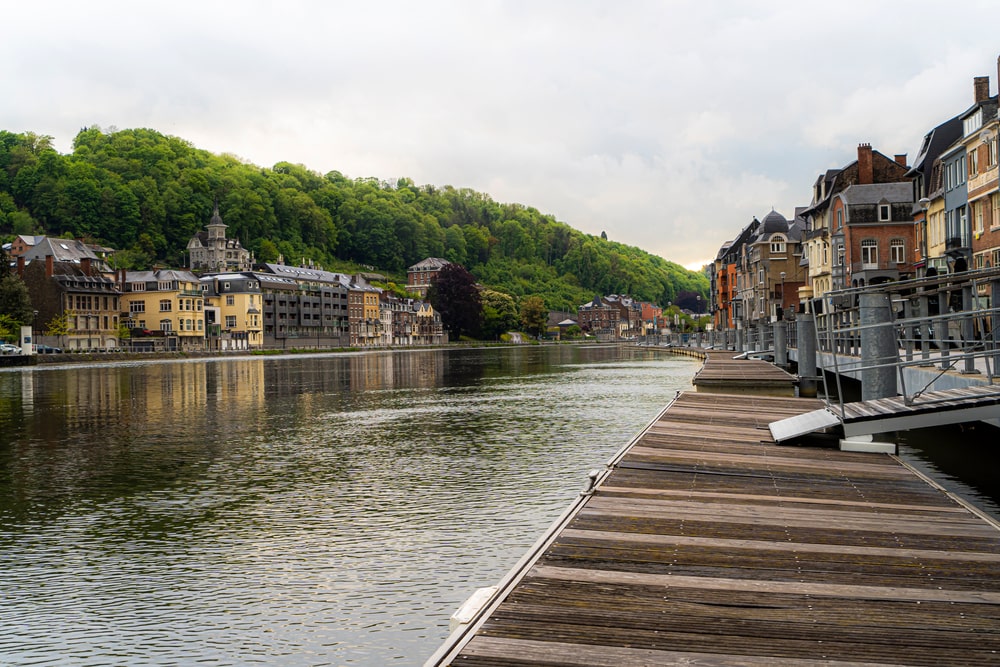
(874, 220)
(219, 303)
(616, 317)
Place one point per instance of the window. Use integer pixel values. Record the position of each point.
(973, 122)
(165, 305)
(166, 325)
(137, 287)
(163, 286)
(760, 276)
(840, 218)
(230, 300)
(840, 254)
(884, 212)
(778, 245)
(977, 209)
(995, 206)
(137, 307)
(869, 254)
(897, 251)
(974, 162)
(991, 152)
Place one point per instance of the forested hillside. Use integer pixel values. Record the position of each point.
(147, 194)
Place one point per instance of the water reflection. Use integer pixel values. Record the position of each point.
(302, 510)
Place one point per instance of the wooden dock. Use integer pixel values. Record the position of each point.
(708, 544)
(722, 373)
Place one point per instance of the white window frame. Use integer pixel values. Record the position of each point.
(897, 251)
(869, 254)
(884, 212)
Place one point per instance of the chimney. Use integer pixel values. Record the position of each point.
(49, 262)
(981, 86)
(85, 265)
(20, 265)
(900, 159)
(866, 174)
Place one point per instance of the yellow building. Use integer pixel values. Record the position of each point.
(363, 313)
(233, 305)
(165, 309)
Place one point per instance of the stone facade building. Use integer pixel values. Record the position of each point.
(211, 251)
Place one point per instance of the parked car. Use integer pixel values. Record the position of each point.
(48, 349)
(7, 348)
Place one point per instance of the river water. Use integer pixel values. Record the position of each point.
(298, 510)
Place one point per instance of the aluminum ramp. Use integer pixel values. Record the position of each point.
(933, 408)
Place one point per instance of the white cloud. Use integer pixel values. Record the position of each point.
(668, 125)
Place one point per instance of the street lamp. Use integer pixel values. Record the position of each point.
(782, 306)
(925, 204)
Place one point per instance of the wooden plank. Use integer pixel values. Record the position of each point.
(791, 547)
(765, 586)
(706, 495)
(570, 655)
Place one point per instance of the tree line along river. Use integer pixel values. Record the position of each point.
(301, 510)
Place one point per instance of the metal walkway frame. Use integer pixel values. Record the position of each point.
(884, 415)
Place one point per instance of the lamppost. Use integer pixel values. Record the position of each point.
(925, 204)
(781, 307)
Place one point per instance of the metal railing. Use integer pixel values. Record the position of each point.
(943, 322)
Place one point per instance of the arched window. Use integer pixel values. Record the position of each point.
(778, 244)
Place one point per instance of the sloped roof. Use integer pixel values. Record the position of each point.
(298, 273)
(159, 275)
(430, 264)
(61, 250)
(874, 193)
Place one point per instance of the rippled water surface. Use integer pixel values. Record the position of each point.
(308, 510)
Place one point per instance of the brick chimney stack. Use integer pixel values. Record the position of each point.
(866, 170)
(981, 87)
(49, 266)
(901, 159)
(20, 265)
(85, 265)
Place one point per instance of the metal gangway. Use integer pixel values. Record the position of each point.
(926, 352)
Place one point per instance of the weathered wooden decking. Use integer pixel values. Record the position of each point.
(724, 374)
(707, 544)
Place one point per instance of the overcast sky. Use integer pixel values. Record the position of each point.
(668, 125)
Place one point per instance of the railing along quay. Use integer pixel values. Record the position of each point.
(704, 542)
(900, 338)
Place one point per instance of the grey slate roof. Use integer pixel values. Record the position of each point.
(876, 192)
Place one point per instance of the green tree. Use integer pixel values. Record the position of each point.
(267, 251)
(534, 316)
(499, 313)
(455, 296)
(15, 302)
(59, 325)
(10, 330)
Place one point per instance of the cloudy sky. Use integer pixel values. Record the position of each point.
(669, 125)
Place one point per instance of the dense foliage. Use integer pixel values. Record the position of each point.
(455, 296)
(147, 194)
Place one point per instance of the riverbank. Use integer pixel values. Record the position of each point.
(19, 360)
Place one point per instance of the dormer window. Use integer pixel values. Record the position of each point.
(778, 245)
(884, 212)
